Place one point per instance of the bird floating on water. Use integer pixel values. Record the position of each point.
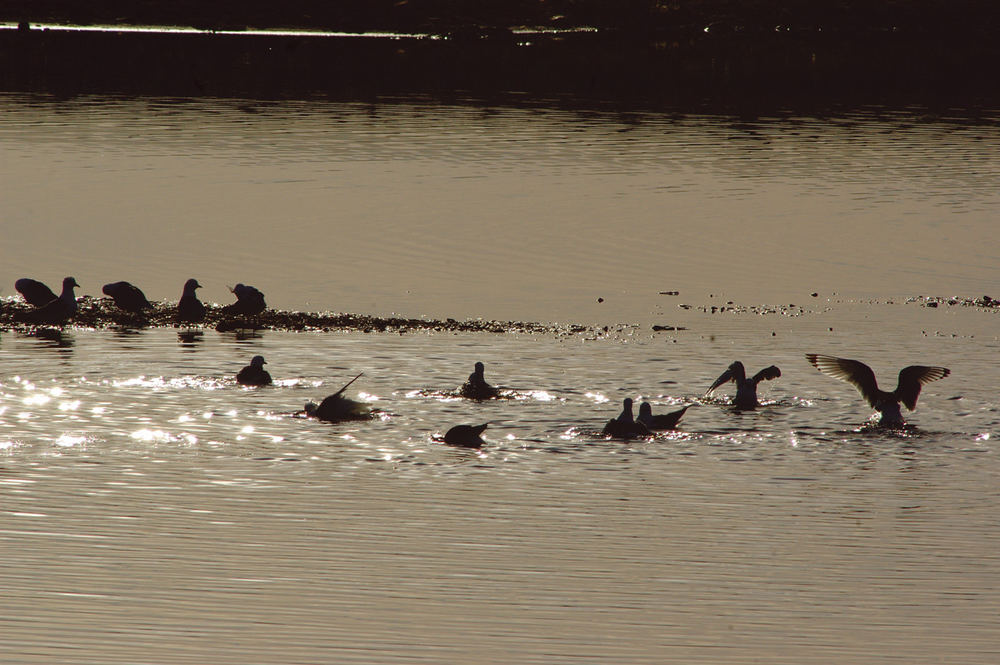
(663, 421)
(254, 374)
(862, 377)
(746, 389)
(57, 311)
(336, 407)
(465, 436)
(625, 425)
(477, 387)
(127, 297)
(249, 301)
(34, 292)
(189, 308)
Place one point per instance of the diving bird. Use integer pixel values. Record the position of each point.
(34, 292)
(189, 308)
(862, 377)
(746, 389)
(466, 436)
(127, 297)
(336, 407)
(254, 374)
(249, 301)
(625, 425)
(476, 387)
(57, 311)
(663, 421)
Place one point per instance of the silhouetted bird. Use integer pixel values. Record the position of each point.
(663, 421)
(254, 374)
(862, 377)
(466, 436)
(336, 407)
(746, 389)
(476, 387)
(127, 296)
(57, 311)
(249, 301)
(34, 292)
(189, 308)
(625, 425)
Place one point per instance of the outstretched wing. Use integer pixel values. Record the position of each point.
(854, 372)
(914, 376)
(766, 374)
(734, 373)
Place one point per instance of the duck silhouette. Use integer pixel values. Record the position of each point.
(254, 374)
(127, 297)
(663, 421)
(35, 293)
(625, 425)
(476, 387)
(465, 436)
(862, 377)
(189, 308)
(57, 311)
(746, 389)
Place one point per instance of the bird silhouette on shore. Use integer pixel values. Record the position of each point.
(127, 297)
(662, 421)
(57, 311)
(625, 425)
(862, 377)
(249, 301)
(254, 374)
(189, 308)
(35, 293)
(746, 389)
(477, 387)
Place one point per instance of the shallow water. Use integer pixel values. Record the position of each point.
(154, 511)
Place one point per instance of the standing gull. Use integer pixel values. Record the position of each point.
(862, 377)
(254, 374)
(58, 310)
(189, 308)
(746, 389)
(476, 387)
(127, 297)
(663, 421)
(34, 292)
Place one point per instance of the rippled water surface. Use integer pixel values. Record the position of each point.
(154, 511)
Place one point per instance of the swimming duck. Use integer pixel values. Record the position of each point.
(663, 421)
(249, 301)
(862, 377)
(58, 310)
(127, 296)
(746, 389)
(625, 426)
(189, 308)
(476, 387)
(34, 292)
(254, 374)
(336, 407)
(466, 436)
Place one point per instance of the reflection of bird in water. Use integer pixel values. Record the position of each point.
(663, 421)
(465, 436)
(746, 389)
(254, 374)
(336, 407)
(625, 426)
(34, 292)
(57, 311)
(249, 301)
(862, 377)
(189, 308)
(476, 387)
(127, 296)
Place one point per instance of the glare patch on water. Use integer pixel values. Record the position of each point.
(597, 398)
(159, 383)
(152, 436)
(69, 440)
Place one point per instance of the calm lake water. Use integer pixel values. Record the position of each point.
(156, 512)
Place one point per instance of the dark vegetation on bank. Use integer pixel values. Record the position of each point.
(726, 54)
